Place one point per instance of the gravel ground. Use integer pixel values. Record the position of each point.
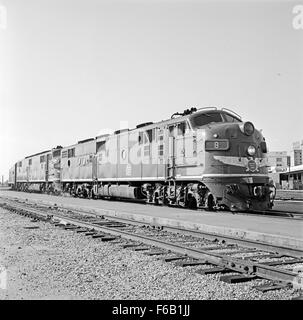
(51, 263)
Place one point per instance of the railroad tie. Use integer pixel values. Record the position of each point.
(213, 270)
(174, 258)
(108, 238)
(269, 287)
(153, 253)
(191, 263)
(98, 235)
(81, 230)
(71, 228)
(31, 227)
(141, 248)
(129, 245)
(237, 278)
(90, 233)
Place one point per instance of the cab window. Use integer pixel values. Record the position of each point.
(230, 118)
(181, 128)
(171, 130)
(205, 118)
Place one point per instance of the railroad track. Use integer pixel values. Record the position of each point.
(236, 259)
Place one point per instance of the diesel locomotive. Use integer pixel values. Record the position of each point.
(207, 158)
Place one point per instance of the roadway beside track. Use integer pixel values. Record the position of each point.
(284, 232)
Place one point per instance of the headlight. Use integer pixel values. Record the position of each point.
(247, 128)
(251, 150)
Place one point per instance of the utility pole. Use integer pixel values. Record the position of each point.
(2, 179)
(288, 163)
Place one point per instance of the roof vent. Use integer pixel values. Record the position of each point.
(185, 112)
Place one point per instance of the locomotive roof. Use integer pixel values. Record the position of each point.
(150, 125)
(189, 116)
(37, 154)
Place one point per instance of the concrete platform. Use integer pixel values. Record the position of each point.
(273, 230)
(289, 194)
(289, 206)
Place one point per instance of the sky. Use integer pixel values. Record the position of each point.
(70, 68)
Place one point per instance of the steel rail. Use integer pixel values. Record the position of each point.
(282, 250)
(239, 265)
(294, 252)
(280, 214)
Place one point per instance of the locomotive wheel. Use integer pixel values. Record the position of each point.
(209, 202)
(192, 203)
(156, 199)
(85, 193)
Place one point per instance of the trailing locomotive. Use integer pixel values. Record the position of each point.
(206, 158)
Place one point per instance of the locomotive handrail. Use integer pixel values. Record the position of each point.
(211, 108)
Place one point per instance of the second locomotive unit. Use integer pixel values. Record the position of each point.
(206, 158)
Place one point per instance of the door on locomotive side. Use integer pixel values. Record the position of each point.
(188, 150)
(28, 173)
(190, 146)
(171, 156)
(149, 167)
(67, 164)
(107, 158)
(176, 149)
(180, 130)
(54, 169)
(47, 165)
(100, 159)
(94, 167)
(134, 167)
(85, 150)
(159, 154)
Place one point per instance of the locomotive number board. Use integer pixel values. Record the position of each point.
(218, 144)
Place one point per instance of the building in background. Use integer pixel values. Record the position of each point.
(287, 174)
(278, 161)
(292, 179)
(296, 153)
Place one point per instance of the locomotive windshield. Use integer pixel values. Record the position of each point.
(203, 119)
